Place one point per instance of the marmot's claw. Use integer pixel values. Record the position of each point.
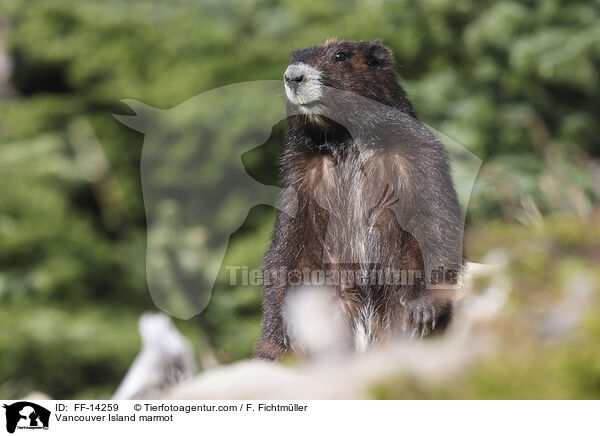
(420, 316)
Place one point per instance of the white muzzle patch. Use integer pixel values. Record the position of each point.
(302, 85)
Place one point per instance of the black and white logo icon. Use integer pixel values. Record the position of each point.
(26, 415)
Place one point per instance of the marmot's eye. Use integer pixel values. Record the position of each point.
(339, 56)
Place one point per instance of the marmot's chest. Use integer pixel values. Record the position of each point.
(358, 194)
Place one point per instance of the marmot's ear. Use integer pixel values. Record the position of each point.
(378, 54)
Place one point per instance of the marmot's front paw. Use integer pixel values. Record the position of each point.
(267, 350)
(421, 315)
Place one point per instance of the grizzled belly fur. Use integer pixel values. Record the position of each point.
(351, 200)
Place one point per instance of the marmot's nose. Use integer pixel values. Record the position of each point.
(294, 81)
(294, 76)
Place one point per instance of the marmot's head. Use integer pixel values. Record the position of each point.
(361, 67)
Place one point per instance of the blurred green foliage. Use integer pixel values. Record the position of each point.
(516, 82)
(547, 266)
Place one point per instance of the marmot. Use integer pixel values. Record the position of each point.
(372, 191)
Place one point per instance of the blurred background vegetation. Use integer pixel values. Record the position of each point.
(516, 82)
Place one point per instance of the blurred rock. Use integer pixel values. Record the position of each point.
(315, 323)
(36, 396)
(166, 359)
(334, 373)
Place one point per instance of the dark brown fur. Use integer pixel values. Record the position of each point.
(346, 187)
